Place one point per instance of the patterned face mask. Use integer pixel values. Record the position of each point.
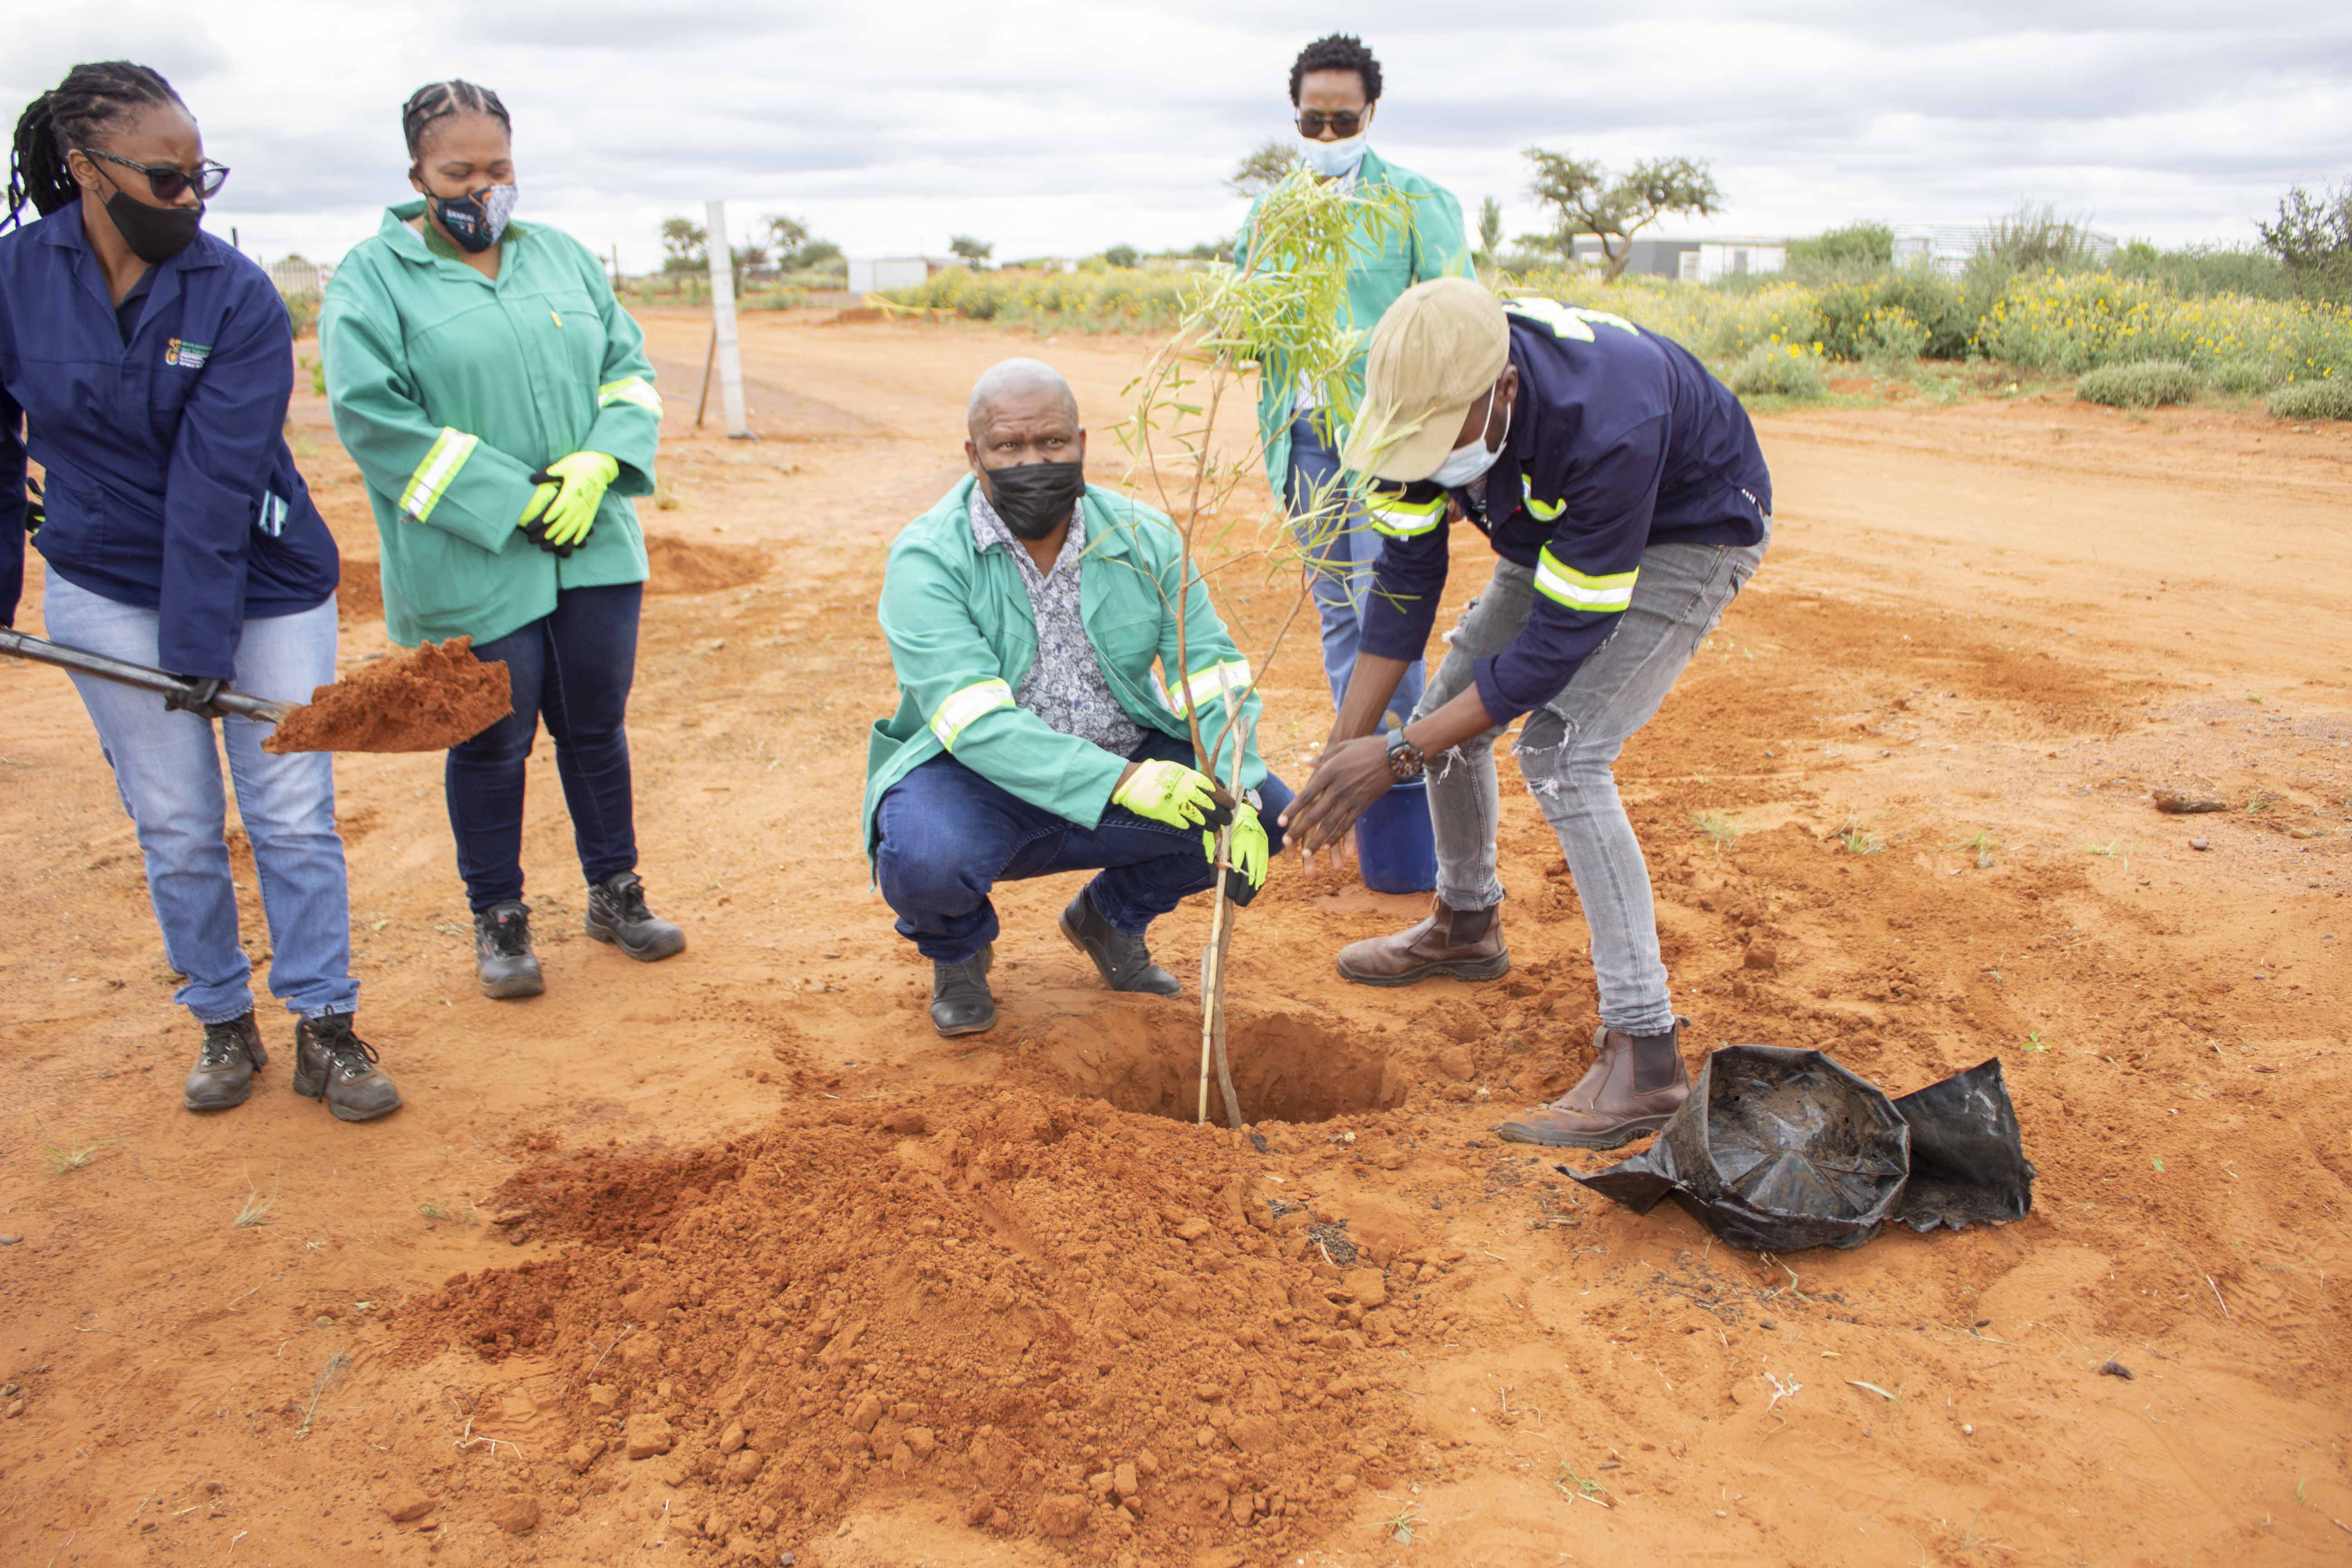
(477, 221)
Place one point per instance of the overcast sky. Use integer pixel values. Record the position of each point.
(892, 124)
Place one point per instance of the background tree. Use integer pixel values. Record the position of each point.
(974, 253)
(1262, 167)
(2312, 240)
(1615, 209)
(819, 255)
(1490, 239)
(786, 235)
(686, 245)
(1121, 256)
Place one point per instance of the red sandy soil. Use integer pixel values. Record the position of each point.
(956, 1300)
(425, 698)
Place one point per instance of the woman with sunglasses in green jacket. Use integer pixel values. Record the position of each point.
(497, 401)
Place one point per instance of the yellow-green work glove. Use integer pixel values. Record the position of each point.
(1249, 850)
(585, 475)
(1170, 793)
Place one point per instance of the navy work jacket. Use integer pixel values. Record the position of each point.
(1619, 439)
(168, 482)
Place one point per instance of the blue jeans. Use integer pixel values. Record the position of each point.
(167, 768)
(1567, 751)
(948, 835)
(573, 667)
(1341, 546)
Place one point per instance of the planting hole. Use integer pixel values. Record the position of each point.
(1286, 1068)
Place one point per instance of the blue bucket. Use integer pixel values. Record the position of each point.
(1394, 847)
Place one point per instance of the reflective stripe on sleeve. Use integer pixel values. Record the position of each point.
(432, 475)
(1563, 584)
(1209, 686)
(956, 714)
(1401, 519)
(1544, 510)
(634, 389)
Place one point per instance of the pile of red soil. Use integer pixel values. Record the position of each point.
(426, 700)
(1074, 1324)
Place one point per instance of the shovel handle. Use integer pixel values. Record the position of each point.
(41, 651)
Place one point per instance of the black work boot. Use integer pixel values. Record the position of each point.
(503, 960)
(1125, 963)
(618, 914)
(961, 1002)
(332, 1064)
(223, 1075)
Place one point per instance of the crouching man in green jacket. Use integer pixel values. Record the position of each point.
(1025, 614)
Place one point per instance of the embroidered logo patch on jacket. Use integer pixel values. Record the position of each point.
(186, 355)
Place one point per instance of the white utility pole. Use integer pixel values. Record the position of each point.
(723, 324)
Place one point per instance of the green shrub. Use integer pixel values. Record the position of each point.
(2206, 269)
(1778, 370)
(2327, 399)
(1859, 250)
(2073, 323)
(1092, 299)
(2151, 384)
(302, 311)
(2247, 377)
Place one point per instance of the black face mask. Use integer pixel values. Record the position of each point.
(476, 222)
(1035, 498)
(154, 235)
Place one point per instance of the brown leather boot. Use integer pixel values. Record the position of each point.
(1465, 944)
(1630, 1092)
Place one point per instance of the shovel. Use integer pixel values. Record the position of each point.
(427, 699)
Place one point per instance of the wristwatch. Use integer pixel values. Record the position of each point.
(1405, 761)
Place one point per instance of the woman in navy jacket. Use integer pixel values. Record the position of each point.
(150, 368)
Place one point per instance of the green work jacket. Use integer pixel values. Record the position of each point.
(962, 638)
(450, 389)
(1432, 246)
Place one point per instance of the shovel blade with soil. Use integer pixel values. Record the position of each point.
(426, 698)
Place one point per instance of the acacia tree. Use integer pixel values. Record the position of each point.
(1262, 167)
(1615, 207)
(1283, 312)
(973, 252)
(687, 244)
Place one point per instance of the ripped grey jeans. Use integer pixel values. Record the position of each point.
(1567, 750)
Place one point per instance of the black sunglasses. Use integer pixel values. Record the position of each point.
(165, 180)
(1312, 122)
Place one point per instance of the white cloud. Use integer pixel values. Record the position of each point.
(893, 126)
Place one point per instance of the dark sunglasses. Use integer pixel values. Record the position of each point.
(1313, 122)
(165, 180)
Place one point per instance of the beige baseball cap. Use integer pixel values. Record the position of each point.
(1435, 353)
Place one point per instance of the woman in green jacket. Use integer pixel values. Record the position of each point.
(497, 398)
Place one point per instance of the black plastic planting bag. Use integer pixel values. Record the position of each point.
(1780, 1150)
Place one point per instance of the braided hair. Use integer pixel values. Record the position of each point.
(74, 113)
(1337, 52)
(441, 100)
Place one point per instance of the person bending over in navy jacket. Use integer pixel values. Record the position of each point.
(148, 367)
(1622, 487)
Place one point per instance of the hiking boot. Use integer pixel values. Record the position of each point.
(223, 1075)
(1465, 944)
(503, 960)
(618, 914)
(1125, 963)
(1633, 1089)
(961, 1003)
(332, 1064)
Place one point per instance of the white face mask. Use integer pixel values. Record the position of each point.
(1471, 462)
(1333, 160)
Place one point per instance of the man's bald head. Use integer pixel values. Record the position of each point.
(1022, 412)
(1023, 384)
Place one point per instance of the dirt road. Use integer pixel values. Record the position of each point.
(953, 1308)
